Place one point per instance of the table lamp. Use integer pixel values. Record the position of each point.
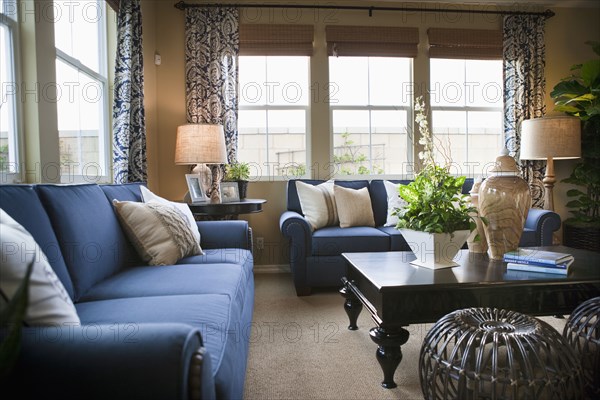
(200, 144)
(550, 138)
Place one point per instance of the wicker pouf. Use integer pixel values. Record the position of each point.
(582, 332)
(482, 353)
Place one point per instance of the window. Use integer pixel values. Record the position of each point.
(273, 114)
(369, 102)
(466, 110)
(81, 75)
(9, 113)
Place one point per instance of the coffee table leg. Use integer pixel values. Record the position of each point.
(388, 353)
(352, 305)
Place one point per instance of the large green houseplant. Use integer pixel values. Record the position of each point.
(435, 204)
(579, 95)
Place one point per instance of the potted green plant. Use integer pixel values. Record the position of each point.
(238, 172)
(579, 95)
(437, 216)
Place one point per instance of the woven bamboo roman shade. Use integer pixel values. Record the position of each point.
(376, 41)
(276, 40)
(481, 44)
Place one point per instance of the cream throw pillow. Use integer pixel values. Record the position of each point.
(157, 231)
(182, 208)
(49, 302)
(354, 206)
(318, 204)
(394, 201)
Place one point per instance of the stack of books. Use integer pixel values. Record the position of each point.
(532, 260)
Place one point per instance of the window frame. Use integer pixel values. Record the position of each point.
(270, 167)
(466, 109)
(104, 131)
(409, 109)
(15, 142)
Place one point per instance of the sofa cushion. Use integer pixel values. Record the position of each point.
(332, 241)
(397, 241)
(182, 279)
(48, 303)
(91, 239)
(160, 234)
(23, 204)
(123, 192)
(354, 206)
(318, 204)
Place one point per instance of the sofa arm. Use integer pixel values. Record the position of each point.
(544, 223)
(297, 229)
(225, 234)
(149, 361)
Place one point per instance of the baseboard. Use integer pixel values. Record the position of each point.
(272, 269)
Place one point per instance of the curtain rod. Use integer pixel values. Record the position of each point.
(182, 5)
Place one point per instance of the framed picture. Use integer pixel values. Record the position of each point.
(195, 187)
(229, 192)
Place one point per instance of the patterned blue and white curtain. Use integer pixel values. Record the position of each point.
(129, 121)
(212, 44)
(524, 53)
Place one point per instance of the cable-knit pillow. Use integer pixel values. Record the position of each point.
(158, 232)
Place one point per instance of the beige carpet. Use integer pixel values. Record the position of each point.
(301, 349)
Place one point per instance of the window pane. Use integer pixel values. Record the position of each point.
(252, 77)
(388, 142)
(80, 122)
(76, 30)
(389, 81)
(287, 139)
(450, 136)
(447, 82)
(351, 142)
(484, 80)
(485, 138)
(287, 81)
(348, 81)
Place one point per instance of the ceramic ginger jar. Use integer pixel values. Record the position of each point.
(504, 200)
(477, 241)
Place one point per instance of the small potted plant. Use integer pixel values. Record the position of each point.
(579, 95)
(437, 217)
(238, 172)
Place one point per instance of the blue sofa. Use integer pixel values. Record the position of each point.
(315, 256)
(148, 332)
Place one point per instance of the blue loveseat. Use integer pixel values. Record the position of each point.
(147, 332)
(315, 256)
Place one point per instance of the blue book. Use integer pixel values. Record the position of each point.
(537, 257)
(536, 268)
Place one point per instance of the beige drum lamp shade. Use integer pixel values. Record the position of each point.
(550, 138)
(200, 143)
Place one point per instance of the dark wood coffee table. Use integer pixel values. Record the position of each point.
(398, 294)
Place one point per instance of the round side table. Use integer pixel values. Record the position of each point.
(483, 353)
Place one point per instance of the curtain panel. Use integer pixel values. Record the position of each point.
(129, 121)
(212, 43)
(375, 41)
(524, 53)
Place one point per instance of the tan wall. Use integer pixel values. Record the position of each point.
(565, 35)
